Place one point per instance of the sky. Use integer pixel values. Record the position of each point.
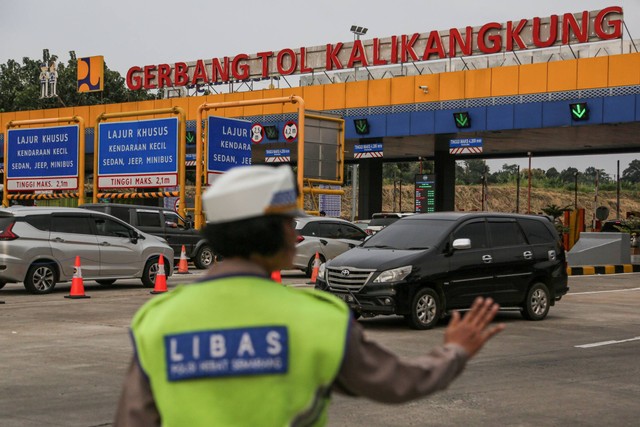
(130, 32)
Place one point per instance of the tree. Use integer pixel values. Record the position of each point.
(568, 175)
(552, 173)
(472, 171)
(508, 173)
(632, 173)
(20, 87)
(591, 173)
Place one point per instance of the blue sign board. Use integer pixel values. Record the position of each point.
(138, 154)
(465, 142)
(280, 155)
(229, 145)
(40, 159)
(367, 151)
(367, 148)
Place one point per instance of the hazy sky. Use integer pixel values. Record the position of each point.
(130, 32)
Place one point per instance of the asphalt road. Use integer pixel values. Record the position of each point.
(63, 361)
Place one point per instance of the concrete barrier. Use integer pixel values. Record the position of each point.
(600, 249)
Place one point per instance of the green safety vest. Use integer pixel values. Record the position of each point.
(241, 351)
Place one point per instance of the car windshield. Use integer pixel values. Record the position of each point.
(410, 234)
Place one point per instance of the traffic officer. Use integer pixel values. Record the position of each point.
(237, 349)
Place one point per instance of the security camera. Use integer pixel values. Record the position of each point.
(425, 89)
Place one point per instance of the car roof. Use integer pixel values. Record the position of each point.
(126, 205)
(31, 210)
(391, 214)
(454, 216)
(304, 220)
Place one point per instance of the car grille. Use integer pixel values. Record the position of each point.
(347, 278)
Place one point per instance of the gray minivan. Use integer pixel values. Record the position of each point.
(163, 223)
(39, 246)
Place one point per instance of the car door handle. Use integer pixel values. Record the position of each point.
(105, 244)
(351, 246)
(324, 242)
(487, 259)
(527, 255)
(58, 239)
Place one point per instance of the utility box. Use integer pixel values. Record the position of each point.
(600, 249)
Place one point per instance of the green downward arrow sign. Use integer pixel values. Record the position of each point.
(362, 126)
(579, 111)
(462, 120)
(191, 137)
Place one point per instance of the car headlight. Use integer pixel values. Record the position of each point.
(393, 275)
(321, 270)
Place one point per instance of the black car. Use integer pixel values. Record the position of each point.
(164, 223)
(422, 266)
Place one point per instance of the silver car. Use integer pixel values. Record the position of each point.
(329, 237)
(39, 245)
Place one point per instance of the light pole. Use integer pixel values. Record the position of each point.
(357, 32)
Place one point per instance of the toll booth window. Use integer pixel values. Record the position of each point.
(148, 219)
(70, 224)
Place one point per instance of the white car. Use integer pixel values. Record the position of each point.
(381, 220)
(329, 237)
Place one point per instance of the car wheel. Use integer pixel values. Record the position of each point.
(536, 306)
(106, 282)
(309, 270)
(150, 271)
(41, 278)
(204, 258)
(426, 309)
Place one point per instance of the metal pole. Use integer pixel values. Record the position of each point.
(595, 202)
(529, 191)
(354, 187)
(575, 190)
(618, 191)
(518, 191)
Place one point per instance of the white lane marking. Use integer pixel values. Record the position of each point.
(598, 344)
(603, 292)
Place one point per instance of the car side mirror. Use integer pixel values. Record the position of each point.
(461, 244)
(134, 236)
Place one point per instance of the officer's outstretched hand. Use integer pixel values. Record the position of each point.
(472, 331)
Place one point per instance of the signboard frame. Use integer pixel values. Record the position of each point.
(182, 132)
(154, 178)
(6, 196)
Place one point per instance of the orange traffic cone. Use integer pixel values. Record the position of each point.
(316, 267)
(77, 284)
(276, 276)
(183, 265)
(160, 285)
